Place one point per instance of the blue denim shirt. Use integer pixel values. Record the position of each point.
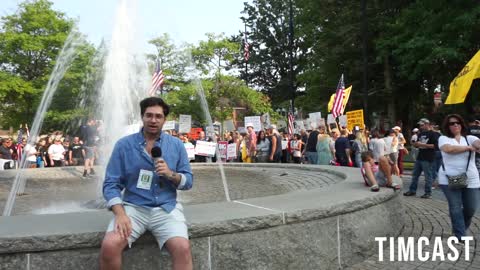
(129, 157)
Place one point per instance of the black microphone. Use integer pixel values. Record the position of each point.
(157, 155)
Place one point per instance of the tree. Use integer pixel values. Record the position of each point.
(268, 66)
(30, 41)
(215, 54)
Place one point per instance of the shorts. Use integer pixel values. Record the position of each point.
(161, 224)
(77, 161)
(380, 178)
(394, 157)
(89, 152)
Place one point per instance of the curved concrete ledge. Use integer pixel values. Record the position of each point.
(324, 228)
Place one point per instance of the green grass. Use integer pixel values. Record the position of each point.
(408, 165)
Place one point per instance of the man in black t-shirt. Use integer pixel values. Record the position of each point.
(343, 149)
(426, 143)
(76, 153)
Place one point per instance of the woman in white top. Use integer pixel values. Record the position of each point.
(462, 203)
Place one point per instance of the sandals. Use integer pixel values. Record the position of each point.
(374, 188)
(395, 186)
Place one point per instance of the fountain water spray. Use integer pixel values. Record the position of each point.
(64, 60)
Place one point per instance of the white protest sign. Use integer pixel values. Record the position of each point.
(315, 119)
(331, 119)
(232, 151)
(204, 148)
(190, 150)
(342, 121)
(169, 125)
(228, 125)
(185, 123)
(299, 125)
(255, 120)
(281, 124)
(321, 123)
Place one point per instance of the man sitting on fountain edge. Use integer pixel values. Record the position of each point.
(150, 197)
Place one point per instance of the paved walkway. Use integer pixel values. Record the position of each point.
(430, 218)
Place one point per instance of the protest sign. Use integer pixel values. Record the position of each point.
(169, 125)
(228, 125)
(204, 148)
(331, 119)
(315, 119)
(256, 121)
(190, 150)
(185, 123)
(222, 149)
(232, 151)
(355, 118)
(342, 121)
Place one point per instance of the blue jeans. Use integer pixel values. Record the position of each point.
(462, 204)
(427, 168)
(312, 157)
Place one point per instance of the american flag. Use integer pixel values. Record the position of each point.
(157, 79)
(246, 48)
(291, 119)
(337, 108)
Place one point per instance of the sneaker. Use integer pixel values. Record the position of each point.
(409, 193)
(426, 196)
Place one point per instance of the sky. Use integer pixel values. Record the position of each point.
(183, 20)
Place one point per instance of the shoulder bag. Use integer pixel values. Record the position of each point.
(458, 181)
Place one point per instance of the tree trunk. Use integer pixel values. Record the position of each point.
(389, 91)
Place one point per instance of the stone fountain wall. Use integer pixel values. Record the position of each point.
(325, 228)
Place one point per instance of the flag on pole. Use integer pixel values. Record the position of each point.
(460, 86)
(291, 119)
(337, 108)
(346, 96)
(19, 145)
(157, 79)
(246, 48)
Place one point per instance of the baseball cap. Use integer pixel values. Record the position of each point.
(415, 130)
(397, 128)
(249, 125)
(423, 121)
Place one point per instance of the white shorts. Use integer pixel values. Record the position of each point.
(163, 225)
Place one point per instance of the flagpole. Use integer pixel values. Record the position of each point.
(246, 61)
(291, 56)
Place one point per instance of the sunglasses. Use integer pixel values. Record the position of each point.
(453, 123)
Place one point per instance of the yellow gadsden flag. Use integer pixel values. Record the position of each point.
(460, 86)
(346, 95)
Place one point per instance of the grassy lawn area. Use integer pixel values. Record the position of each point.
(408, 165)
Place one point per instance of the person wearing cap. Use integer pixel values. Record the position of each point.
(413, 140)
(427, 140)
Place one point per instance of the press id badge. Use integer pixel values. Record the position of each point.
(145, 179)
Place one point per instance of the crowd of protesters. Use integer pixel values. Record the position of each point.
(54, 150)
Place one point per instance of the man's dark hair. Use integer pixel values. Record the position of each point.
(446, 127)
(154, 101)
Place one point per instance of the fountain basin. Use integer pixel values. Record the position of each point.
(324, 224)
